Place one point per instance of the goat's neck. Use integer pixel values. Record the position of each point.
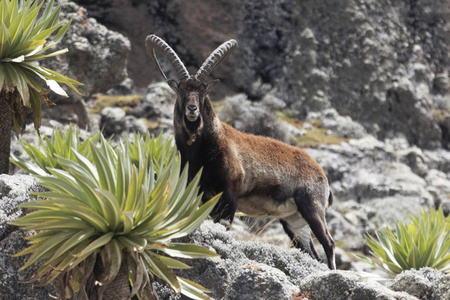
(207, 139)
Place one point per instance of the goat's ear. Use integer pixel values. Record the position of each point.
(173, 84)
(211, 85)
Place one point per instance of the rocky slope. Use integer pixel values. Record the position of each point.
(383, 63)
(245, 269)
(362, 85)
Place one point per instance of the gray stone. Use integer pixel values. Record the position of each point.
(212, 273)
(295, 264)
(97, 58)
(250, 117)
(383, 64)
(115, 122)
(12, 281)
(257, 281)
(438, 159)
(344, 285)
(342, 126)
(14, 190)
(157, 107)
(439, 186)
(426, 283)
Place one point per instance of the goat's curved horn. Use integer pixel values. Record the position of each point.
(153, 42)
(215, 58)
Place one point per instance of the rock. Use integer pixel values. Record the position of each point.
(426, 283)
(438, 159)
(295, 264)
(342, 126)
(345, 285)
(348, 222)
(256, 118)
(156, 107)
(343, 260)
(212, 273)
(256, 281)
(114, 122)
(12, 283)
(372, 187)
(14, 190)
(414, 158)
(446, 208)
(97, 58)
(439, 186)
(384, 65)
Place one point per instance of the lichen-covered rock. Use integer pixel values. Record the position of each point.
(342, 126)
(344, 285)
(97, 58)
(115, 122)
(257, 118)
(426, 283)
(258, 281)
(15, 190)
(250, 117)
(13, 284)
(156, 106)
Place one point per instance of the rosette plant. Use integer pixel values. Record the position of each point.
(27, 33)
(60, 144)
(423, 242)
(105, 225)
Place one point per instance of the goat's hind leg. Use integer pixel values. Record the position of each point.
(298, 231)
(314, 213)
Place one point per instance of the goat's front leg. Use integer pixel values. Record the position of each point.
(225, 209)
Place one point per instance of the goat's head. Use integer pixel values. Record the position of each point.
(191, 89)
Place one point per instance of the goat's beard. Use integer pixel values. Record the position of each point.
(193, 128)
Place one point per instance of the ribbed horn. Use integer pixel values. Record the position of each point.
(215, 58)
(153, 42)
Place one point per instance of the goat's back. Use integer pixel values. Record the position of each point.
(268, 162)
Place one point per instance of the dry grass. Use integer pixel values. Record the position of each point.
(315, 136)
(125, 101)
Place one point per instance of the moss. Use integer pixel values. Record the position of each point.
(319, 136)
(315, 136)
(125, 101)
(150, 124)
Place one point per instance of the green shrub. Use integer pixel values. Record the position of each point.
(120, 207)
(60, 144)
(26, 35)
(424, 242)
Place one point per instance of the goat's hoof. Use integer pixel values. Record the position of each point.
(225, 223)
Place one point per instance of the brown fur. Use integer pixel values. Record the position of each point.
(257, 175)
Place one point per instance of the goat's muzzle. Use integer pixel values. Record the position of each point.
(192, 112)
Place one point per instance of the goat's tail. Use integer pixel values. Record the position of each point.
(330, 199)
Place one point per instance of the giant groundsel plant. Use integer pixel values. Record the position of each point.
(108, 219)
(29, 30)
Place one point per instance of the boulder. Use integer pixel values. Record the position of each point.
(97, 58)
(256, 281)
(426, 283)
(257, 118)
(15, 190)
(343, 285)
(114, 122)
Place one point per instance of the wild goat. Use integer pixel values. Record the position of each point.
(259, 176)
